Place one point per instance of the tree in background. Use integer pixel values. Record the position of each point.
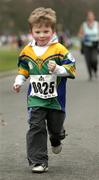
(14, 13)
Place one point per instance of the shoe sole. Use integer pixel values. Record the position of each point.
(38, 171)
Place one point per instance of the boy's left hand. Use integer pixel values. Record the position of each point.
(51, 66)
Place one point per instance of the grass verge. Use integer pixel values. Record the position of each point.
(8, 59)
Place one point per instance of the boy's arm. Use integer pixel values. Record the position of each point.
(56, 69)
(19, 81)
(23, 73)
(68, 63)
(66, 69)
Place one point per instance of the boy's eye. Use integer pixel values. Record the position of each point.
(46, 32)
(37, 32)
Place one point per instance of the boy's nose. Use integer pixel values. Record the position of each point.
(41, 34)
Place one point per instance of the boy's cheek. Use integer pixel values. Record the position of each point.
(50, 36)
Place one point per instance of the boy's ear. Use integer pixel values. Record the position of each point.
(30, 28)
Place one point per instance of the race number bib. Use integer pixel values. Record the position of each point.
(43, 86)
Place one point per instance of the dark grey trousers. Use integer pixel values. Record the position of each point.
(41, 121)
(91, 57)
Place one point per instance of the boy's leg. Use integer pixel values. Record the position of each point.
(37, 137)
(55, 120)
(63, 133)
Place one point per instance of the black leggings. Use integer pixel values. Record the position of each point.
(91, 57)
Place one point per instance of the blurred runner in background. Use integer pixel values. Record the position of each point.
(89, 34)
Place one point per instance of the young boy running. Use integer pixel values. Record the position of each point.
(48, 64)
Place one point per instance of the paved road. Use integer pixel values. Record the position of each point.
(79, 159)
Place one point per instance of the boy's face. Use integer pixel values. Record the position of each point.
(42, 34)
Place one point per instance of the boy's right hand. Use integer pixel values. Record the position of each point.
(16, 87)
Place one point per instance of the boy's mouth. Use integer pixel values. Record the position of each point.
(42, 41)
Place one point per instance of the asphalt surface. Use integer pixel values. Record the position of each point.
(79, 159)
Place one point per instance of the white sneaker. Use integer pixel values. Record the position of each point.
(57, 149)
(39, 168)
